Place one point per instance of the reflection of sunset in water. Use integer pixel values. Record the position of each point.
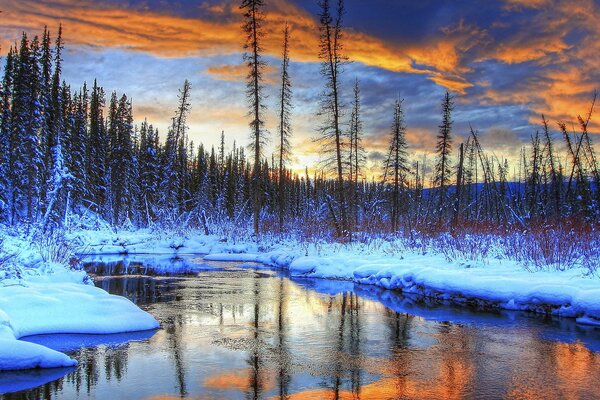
(241, 380)
(243, 334)
(569, 366)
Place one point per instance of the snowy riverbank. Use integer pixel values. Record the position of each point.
(38, 297)
(490, 282)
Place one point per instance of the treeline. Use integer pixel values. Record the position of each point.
(66, 152)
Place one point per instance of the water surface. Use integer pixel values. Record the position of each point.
(250, 332)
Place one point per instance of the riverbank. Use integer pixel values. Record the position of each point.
(39, 296)
(488, 282)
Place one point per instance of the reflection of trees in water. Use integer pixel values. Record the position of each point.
(255, 359)
(399, 332)
(84, 379)
(139, 289)
(174, 327)
(115, 363)
(348, 343)
(284, 357)
(88, 372)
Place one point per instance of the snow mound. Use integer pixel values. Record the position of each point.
(38, 307)
(17, 354)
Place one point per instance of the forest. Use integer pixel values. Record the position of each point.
(69, 152)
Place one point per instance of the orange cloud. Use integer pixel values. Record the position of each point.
(238, 72)
(518, 4)
(228, 72)
(524, 49)
(92, 24)
(565, 76)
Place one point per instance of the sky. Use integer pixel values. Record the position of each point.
(505, 61)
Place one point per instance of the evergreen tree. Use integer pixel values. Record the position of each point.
(56, 112)
(120, 131)
(332, 137)
(285, 129)
(97, 178)
(25, 157)
(442, 177)
(396, 165)
(77, 148)
(6, 135)
(181, 141)
(149, 167)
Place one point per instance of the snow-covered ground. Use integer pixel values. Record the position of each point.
(44, 298)
(38, 297)
(490, 283)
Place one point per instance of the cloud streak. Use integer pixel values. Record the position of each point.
(92, 24)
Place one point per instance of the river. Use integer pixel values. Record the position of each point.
(248, 332)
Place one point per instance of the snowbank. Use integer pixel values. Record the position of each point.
(47, 305)
(38, 297)
(493, 283)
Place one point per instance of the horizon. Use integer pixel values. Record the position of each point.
(506, 63)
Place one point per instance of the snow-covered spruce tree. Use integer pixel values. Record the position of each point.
(112, 156)
(253, 20)
(46, 103)
(169, 183)
(285, 127)
(331, 135)
(201, 183)
(121, 159)
(57, 117)
(123, 173)
(396, 164)
(97, 180)
(77, 143)
(25, 157)
(149, 167)
(181, 160)
(6, 96)
(175, 178)
(443, 173)
(213, 178)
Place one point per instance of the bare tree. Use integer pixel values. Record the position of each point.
(357, 157)
(253, 17)
(332, 138)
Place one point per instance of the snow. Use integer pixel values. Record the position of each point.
(55, 304)
(38, 297)
(40, 308)
(17, 354)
